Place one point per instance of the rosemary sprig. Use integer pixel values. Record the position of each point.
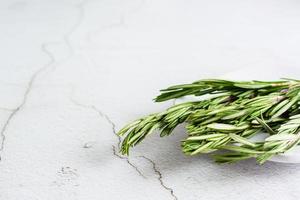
(227, 119)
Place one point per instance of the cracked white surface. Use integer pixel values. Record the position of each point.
(73, 72)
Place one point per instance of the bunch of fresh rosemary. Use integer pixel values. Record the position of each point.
(229, 115)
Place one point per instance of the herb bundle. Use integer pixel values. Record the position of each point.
(229, 116)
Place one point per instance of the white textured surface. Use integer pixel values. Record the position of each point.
(73, 72)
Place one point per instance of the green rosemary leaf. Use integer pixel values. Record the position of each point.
(230, 114)
(226, 127)
(241, 149)
(285, 107)
(203, 137)
(265, 126)
(278, 107)
(231, 157)
(201, 148)
(235, 115)
(241, 140)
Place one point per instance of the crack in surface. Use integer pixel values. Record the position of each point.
(67, 40)
(103, 115)
(44, 49)
(160, 178)
(113, 126)
(127, 160)
(25, 97)
(121, 22)
(66, 37)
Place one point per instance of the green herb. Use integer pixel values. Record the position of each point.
(230, 114)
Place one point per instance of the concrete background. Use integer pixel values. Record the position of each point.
(73, 72)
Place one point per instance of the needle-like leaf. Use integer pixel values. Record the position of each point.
(230, 114)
